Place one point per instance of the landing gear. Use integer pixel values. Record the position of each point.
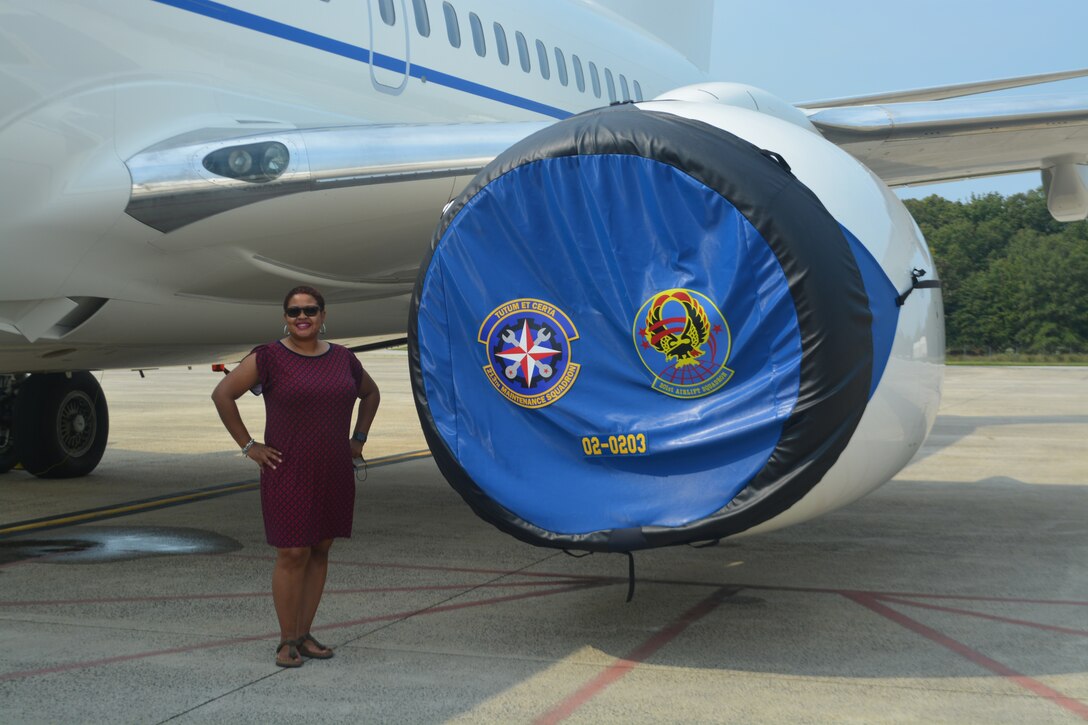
(8, 457)
(59, 425)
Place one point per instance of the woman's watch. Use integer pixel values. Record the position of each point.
(359, 437)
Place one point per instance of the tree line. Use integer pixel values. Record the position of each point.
(1013, 277)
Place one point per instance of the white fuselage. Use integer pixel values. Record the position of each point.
(87, 87)
(103, 105)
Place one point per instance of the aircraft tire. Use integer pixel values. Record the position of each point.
(61, 424)
(8, 457)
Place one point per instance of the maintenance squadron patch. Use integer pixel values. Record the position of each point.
(528, 343)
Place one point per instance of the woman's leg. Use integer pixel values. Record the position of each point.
(287, 592)
(313, 585)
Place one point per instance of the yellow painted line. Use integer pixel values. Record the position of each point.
(398, 458)
(132, 508)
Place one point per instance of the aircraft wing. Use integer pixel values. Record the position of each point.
(913, 143)
(933, 135)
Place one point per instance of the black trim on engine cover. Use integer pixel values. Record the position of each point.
(824, 281)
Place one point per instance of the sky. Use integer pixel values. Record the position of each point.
(805, 51)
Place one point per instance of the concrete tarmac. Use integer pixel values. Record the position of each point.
(957, 593)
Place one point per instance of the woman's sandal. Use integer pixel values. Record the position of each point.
(294, 659)
(303, 649)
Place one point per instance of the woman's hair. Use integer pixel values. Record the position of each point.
(304, 290)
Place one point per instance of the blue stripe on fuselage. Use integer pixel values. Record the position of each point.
(233, 16)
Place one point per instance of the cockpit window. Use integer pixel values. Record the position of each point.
(624, 92)
(453, 30)
(611, 85)
(638, 91)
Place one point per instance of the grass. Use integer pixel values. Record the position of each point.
(1015, 358)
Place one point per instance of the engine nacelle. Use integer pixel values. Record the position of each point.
(740, 95)
(672, 322)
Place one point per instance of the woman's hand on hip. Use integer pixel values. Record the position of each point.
(265, 455)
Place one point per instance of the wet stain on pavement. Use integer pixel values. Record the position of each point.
(95, 544)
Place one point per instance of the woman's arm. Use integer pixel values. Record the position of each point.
(229, 389)
(368, 408)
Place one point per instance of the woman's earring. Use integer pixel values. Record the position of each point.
(322, 330)
(285, 328)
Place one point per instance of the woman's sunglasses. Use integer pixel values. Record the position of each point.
(310, 310)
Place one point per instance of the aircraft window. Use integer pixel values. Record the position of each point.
(453, 30)
(579, 76)
(477, 34)
(638, 91)
(388, 12)
(423, 20)
(561, 66)
(611, 85)
(523, 51)
(501, 46)
(623, 88)
(542, 56)
(595, 78)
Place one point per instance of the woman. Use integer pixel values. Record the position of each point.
(307, 478)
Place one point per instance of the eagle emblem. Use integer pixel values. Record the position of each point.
(678, 338)
(684, 341)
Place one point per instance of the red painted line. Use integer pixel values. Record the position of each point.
(873, 593)
(507, 572)
(983, 615)
(564, 576)
(687, 582)
(464, 605)
(1064, 701)
(271, 635)
(246, 595)
(969, 598)
(127, 658)
(448, 569)
(622, 666)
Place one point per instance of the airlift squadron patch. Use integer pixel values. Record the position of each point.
(684, 341)
(528, 345)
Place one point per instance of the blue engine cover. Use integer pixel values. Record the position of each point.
(636, 330)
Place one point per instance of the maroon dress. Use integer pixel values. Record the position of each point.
(308, 401)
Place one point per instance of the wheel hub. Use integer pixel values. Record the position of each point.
(76, 423)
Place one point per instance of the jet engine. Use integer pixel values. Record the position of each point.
(673, 322)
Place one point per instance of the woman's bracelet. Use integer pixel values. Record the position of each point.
(247, 446)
